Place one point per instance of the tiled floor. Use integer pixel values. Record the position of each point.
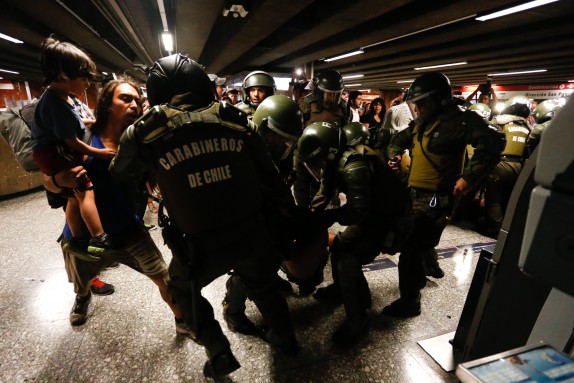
(130, 335)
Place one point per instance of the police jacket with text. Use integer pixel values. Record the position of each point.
(212, 168)
(516, 130)
(438, 149)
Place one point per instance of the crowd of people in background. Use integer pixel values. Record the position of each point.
(252, 181)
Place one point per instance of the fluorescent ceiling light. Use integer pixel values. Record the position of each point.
(404, 81)
(167, 41)
(353, 76)
(441, 65)
(9, 71)
(570, 80)
(364, 90)
(347, 85)
(518, 8)
(360, 51)
(10, 38)
(521, 72)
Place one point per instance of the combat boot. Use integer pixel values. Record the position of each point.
(404, 308)
(238, 322)
(330, 293)
(222, 364)
(288, 346)
(351, 331)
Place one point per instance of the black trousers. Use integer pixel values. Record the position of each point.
(249, 252)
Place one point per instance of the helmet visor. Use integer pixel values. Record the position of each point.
(331, 99)
(279, 144)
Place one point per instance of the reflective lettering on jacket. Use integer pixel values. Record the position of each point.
(198, 148)
(516, 134)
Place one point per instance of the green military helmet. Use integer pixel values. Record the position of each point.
(320, 146)
(517, 106)
(356, 134)
(546, 110)
(328, 80)
(482, 109)
(280, 123)
(434, 85)
(260, 79)
(179, 75)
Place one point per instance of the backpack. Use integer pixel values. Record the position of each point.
(15, 128)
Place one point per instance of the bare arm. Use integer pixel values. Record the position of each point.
(471, 96)
(84, 148)
(68, 178)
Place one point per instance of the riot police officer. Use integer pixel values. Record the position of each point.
(279, 122)
(543, 114)
(215, 176)
(323, 105)
(499, 184)
(376, 202)
(483, 110)
(257, 86)
(437, 140)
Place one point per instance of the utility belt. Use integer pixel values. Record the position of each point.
(435, 198)
(511, 158)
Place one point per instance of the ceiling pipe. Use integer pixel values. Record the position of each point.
(116, 17)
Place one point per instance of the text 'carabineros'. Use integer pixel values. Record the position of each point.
(197, 148)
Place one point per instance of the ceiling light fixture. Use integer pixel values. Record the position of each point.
(441, 65)
(10, 38)
(404, 81)
(570, 80)
(520, 72)
(167, 39)
(364, 90)
(518, 8)
(353, 76)
(236, 8)
(9, 71)
(348, 85)
(419, 31)
(358, 52)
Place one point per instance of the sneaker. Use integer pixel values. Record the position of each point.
(221, 364)
(349, 332)
(100, 244)
(240, 323)
(183, 329)
(149, 226)
(79, 311)
(403, 308)
(329, 293)
(100, 287)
